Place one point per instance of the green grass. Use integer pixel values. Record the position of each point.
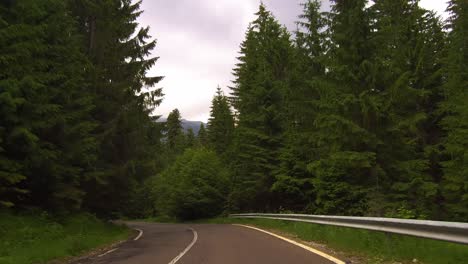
(376, 247)
(38, 239)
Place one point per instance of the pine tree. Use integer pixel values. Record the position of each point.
(221, 123)
(294, 181)
(119, 51)
(75, 104)
(455, 123)
(10, 100)
(174, 130)
(262, 81)
(190, 138)
(202, 136)
(46, 136)
(345, 171)
(408, 59)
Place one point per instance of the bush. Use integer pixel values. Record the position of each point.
(195, 186)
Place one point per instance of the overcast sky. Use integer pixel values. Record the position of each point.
(198, 42)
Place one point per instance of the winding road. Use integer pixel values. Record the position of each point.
(207, 244)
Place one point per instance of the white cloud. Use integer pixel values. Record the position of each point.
(438, 6)
(198, 43)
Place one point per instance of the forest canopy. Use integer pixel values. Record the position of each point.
(362, 110)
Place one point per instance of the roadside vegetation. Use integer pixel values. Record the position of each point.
(372, 246)
(360, 111)
(40, 238)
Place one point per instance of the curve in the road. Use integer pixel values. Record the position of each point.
(207, 244)
(195, 238)
(313, 250)
(139, 234)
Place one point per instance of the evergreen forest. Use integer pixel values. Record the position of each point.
(360, 111)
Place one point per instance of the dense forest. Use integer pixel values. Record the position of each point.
(75, 104)
(362, 110)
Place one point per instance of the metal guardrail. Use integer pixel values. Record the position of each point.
(448, 231)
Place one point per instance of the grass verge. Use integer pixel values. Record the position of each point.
(29, 239)
(375, 247)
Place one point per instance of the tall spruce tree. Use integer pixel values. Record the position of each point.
(46, 146)
(10, 99)
(190, 138)
(293, 181)
(262, 81)
(220, 124)
(202, 136)
(455, 123)
(363, 114)
(410, 43)
(346, 171)
(174, 130)
(124, 97)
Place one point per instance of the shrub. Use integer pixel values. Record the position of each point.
(195, 186)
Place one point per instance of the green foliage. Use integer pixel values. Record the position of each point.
(262, 78)
(455, 108)
(293, 181)
(40, 238)
(174, 132)
(331, 147)
(202, 136)
(220, 124)
(195, 186)
(347, 121)
(44, 158)
(175, 140)
(363, 112)
(338, 182)
(129, 139)
(190, 138)
(410, 45)
(75, 104)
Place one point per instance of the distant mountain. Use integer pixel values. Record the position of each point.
(186, 124)
(194, 125)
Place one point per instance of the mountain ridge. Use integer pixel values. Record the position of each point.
(187, 124)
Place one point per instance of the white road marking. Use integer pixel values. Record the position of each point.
(139, 235)
(195, 237)
(114, 249)
(313, 250)
(107, 252)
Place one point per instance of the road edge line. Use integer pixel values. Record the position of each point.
(139, 235)
(181, 254)
(107, 252)
(114, 249)
(310, 249)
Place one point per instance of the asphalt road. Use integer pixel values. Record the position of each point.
(207, 244)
